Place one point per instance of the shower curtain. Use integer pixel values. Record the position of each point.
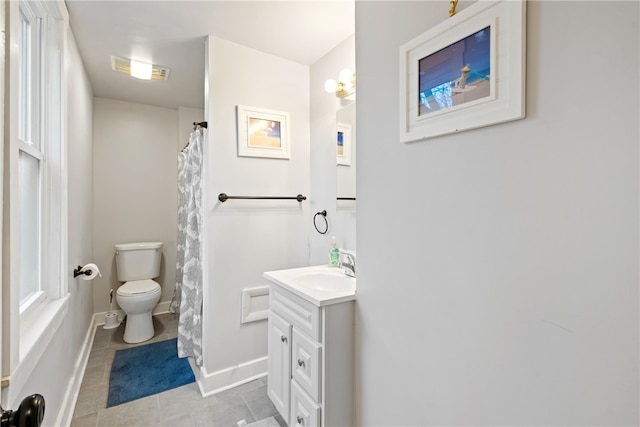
(187, 296)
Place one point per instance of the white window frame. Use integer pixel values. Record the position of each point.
(30, 138)
(28, 328)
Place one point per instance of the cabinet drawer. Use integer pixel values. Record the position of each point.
(300, 313)
(304, 411)
(306, 364)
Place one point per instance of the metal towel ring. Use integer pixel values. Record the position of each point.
(326, 224)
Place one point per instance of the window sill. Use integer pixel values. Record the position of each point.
(36, 332)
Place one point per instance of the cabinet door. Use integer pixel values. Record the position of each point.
(279, 363)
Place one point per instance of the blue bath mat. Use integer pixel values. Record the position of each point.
(145, 370)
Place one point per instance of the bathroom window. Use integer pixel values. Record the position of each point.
(30, 161)
(34, 246)
(39, 161)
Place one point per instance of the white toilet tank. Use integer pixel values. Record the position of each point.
(138, 261)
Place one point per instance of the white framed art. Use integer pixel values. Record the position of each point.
(343, 144)
(465, 73)
(263, 133)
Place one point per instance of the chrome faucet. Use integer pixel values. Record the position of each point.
(348, 263)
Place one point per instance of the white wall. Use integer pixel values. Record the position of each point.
(247, 237)
(342, 223)
(135, 188)
(58, 369)
(499, 286)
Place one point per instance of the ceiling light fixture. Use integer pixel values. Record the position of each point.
(345, 86)
(140, 70)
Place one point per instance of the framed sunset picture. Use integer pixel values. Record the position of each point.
(263, 133)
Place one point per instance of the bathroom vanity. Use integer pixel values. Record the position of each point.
(311, 345)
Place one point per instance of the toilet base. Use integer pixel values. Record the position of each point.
(138, 328)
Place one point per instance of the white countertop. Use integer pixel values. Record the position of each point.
(320, 285)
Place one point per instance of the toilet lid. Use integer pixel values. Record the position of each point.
(138, 287)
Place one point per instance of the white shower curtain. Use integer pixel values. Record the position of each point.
(187, 297)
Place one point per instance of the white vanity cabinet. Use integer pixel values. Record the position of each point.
(311, 356)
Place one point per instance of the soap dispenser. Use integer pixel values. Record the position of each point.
(334, 253)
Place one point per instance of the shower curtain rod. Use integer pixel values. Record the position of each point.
(201, 124)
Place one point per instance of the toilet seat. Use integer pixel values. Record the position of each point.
(137, 287)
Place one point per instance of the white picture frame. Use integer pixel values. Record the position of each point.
(432, 102)
(263, 133)
(343, 144)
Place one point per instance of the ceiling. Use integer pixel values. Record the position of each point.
(172, 34)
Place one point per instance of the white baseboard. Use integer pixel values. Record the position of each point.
(161, 308)
(65, 414)
(215, 382)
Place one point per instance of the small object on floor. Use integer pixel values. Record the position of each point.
(267, 422)
(111, 320)
(242, 423)
(148, 369)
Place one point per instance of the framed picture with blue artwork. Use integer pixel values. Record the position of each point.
(465, 73)
(343, 144)
(263, 133)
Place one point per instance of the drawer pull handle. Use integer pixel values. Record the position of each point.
(301, 363)
(283, 338)
(300, 420)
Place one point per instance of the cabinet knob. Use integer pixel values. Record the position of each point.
(283, 338)
(300, 420)
(301, 363)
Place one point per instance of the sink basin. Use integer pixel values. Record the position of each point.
(321, 285)
(324, 279)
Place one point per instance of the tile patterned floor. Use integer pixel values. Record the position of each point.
(183, 406)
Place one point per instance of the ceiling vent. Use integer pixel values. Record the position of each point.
(124, 65)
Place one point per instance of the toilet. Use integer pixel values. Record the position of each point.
(136, 265)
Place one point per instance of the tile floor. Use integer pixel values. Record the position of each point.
(183, 406)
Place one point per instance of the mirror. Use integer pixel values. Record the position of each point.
(346, 156)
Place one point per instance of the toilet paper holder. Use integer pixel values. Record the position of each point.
(79, 272)
(88, 271)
